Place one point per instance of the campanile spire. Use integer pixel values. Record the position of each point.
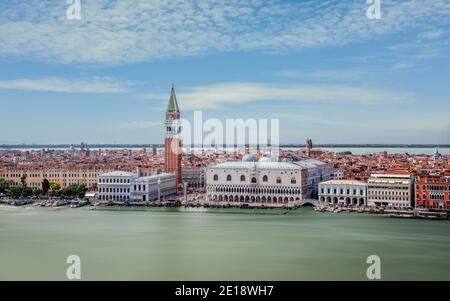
(172, 143)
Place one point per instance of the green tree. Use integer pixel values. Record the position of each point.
(38, 192)
(17, 192)
(4, 186)
(45, 186)
(74, 191)
(23, 180)
(55, 193)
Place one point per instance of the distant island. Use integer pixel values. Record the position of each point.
(62, 146)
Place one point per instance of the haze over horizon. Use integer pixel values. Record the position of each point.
(324, 69)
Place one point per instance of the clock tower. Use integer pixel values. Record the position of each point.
(172, 143)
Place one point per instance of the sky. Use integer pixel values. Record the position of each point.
(323, 68)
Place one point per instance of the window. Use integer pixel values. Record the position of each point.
(229, 178)
(278, 180)
(265, 179)
(216, 178)
(242, 178)
(293, 181)
(253, 180)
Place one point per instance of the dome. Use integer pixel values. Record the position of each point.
(265, 159)
(249, 158)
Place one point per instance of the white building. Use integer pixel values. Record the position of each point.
(148, 189)
(115, 186)
(268, 183)
(347, 192)
(127, 186)
(393, 190)
(317, 172)
(338, 174)
(264, 181)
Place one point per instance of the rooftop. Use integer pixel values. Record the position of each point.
(308, 163)
(118, 173)
(153, 177)
(343, 182)
(391, 175)
(258, 165)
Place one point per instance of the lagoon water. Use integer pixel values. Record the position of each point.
(229, 245)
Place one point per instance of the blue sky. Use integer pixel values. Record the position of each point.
(322, 67)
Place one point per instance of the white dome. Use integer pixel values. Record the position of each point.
(265, 159)
(249, 158)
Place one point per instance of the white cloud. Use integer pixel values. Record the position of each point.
(303, 118)
(133, 31)
(138, 125)
(323, 75)
(217, 96)
(402, 66)
(94, 85)
(433, 34)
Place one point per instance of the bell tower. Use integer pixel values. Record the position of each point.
(172, 143)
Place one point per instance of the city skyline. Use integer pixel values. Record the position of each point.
(327, 71)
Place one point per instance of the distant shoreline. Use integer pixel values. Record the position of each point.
(113, 146)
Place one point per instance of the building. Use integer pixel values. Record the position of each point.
(156, 187)
(194, 177)
(115, 186)
(392, 190)
(346, 192)
(172, 143)
(317, 172)
(251, 181)
(127, 186)
(338, 174)
(63, 176)
(433, 192)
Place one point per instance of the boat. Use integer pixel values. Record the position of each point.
(402, 215)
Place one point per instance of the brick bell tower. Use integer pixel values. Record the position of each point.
(172, 142)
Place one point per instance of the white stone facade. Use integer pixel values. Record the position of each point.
(345, 192)
(115, 186)
(268, 183)
(127, 186)
(146, 188)
(392, 190)
(317, 172)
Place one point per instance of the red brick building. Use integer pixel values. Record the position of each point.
(433, 192)
(172, 143)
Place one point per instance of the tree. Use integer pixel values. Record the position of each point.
(73, 191)
(4, 186)
(23, 180)
(17, 192)
(55, 186)
(38, 192)
(45, 186)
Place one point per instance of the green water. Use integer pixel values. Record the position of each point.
(166, 245)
